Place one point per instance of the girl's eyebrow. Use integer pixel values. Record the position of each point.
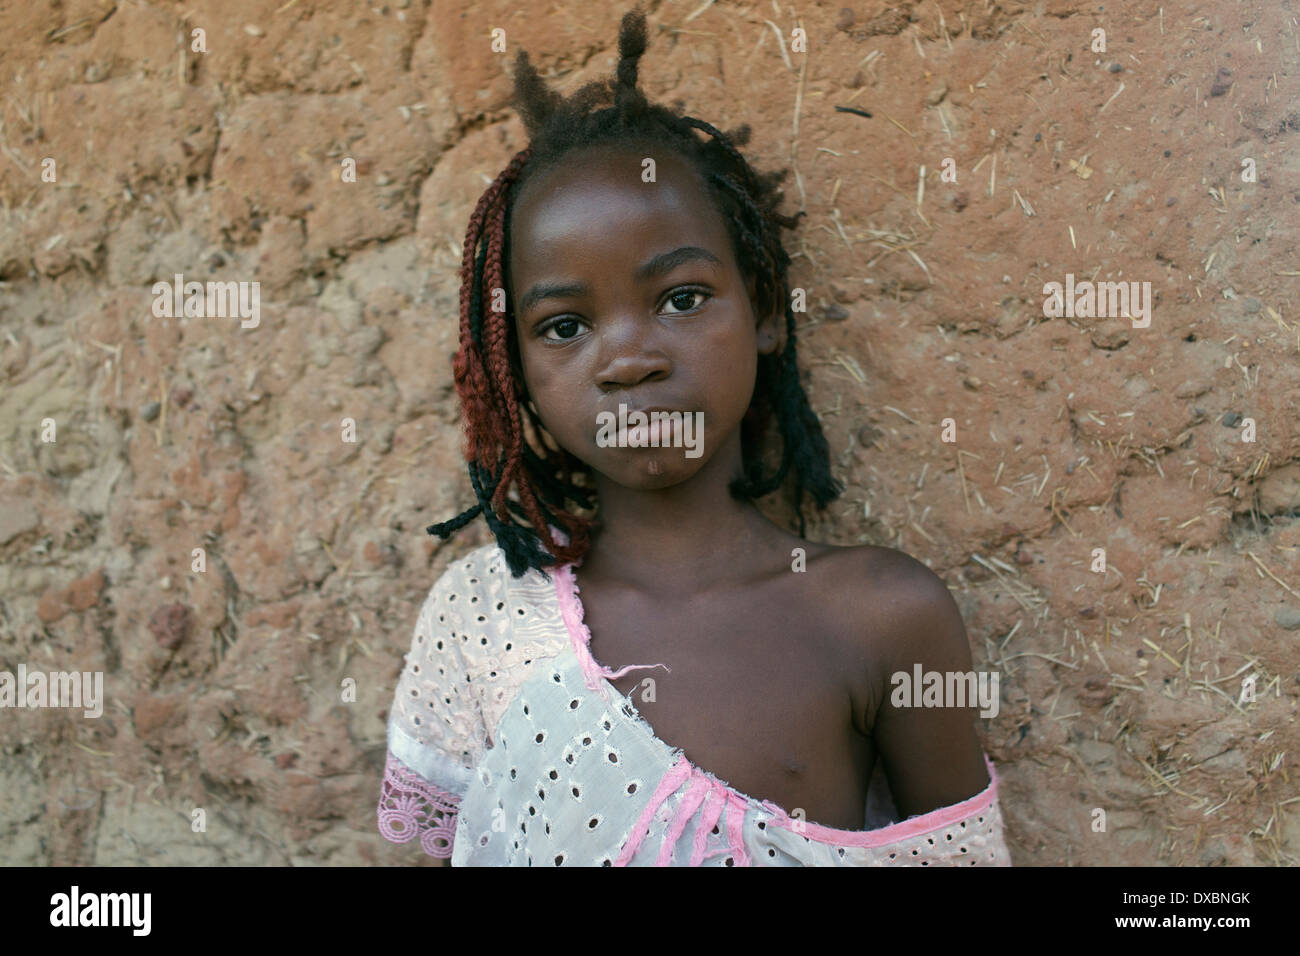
(666, 262)
(653, 268)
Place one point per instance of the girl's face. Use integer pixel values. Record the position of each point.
(627, 292)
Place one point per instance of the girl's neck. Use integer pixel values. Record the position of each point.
(681, 546)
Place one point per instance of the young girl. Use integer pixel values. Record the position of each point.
(623, 264)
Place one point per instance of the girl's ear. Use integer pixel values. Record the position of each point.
(770, 328)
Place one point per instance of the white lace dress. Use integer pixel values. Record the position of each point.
(507, 746)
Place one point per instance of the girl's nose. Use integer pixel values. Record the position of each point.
(630, 356)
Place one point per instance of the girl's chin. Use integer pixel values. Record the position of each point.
(650, 472)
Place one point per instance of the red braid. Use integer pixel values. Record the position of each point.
(485, 380)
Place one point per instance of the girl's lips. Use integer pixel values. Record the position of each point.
(648, 436)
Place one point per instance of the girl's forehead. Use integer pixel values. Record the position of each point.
(607, 217)
(612, 173)
(597, 207)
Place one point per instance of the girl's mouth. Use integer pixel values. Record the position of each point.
(650, 428)
(659, 433)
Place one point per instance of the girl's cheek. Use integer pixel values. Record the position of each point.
(537, 376)
(550, 389)
(729, 340)
(548, 393)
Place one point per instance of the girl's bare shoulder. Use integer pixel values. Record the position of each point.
(897, 604)
(888, 601)
(879, 572)
(890, 611)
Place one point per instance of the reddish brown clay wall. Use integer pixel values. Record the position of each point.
(1001, 446)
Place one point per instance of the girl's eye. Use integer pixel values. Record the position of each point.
(570, 324)
(683, 300)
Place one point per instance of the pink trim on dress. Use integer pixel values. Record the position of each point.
(713, 806)
(735, 820)
(571, 610)
(913, 826)
(669, 784)
(411, 801)
(566, 589)
(690, 803)
(714, 795)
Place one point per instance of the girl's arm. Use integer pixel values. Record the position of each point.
(932, 755)
(944, 790)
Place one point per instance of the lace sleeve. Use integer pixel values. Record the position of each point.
(410, 806)
(435, 728)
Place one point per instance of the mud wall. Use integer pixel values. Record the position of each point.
(1000, 444)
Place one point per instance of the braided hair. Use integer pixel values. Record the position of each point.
(488, 372)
